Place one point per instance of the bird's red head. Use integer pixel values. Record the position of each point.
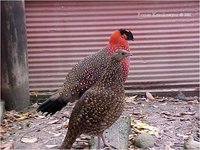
(118, 40)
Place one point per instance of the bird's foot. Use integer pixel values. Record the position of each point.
(108, 147)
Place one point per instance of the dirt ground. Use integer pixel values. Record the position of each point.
(174, 120)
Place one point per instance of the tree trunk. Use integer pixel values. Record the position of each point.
(14, 71)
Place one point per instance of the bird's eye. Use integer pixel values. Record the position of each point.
(123, 53)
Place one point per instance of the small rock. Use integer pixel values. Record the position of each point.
(144, 140)
(191, 144)
(65, 124)
(180, 96)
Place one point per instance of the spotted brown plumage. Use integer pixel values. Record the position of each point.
(100, 106)
(87, 72)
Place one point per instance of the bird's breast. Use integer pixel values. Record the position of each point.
(125, 67)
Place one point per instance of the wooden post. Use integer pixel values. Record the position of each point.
(14, 64)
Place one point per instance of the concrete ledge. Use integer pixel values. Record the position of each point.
(41, 96)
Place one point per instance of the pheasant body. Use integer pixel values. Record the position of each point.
(100, 106)
(87, 72)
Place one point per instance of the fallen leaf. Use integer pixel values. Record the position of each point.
(65, 124)
(55, 134)
(168, 147)
(52, 122)
(11, 116)
(166, 113)
(77, 146)
(182, 135)
(23, 117)
(184, 119)
(2, 130)
(149, 96)
(164, 104)
(40, 117)
(144, 116)
(190, 98)
(142, 99)
(177, 114)
(131, 99)
(35, 105)
(34, 93)
(155, 106)
(7, 146)
(84, 143)
(50, 146)
(132, 147)
(136, 113)
(130, 137)
(162, 100)
(29, 139)
(193, 102)
(171, 119)
(80, 140)
(144, 128)
(85, 137)
(187, 113)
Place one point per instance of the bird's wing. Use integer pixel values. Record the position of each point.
(79, 79)
(84, 75)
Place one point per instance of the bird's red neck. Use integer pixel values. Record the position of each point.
(116, 42)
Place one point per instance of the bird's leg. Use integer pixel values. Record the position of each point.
(106, 145)
(99, 143)
(104, 142)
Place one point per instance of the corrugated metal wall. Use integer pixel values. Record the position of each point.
(166, 45)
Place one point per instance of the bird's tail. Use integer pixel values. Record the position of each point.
(52, 105)
(70, 138)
